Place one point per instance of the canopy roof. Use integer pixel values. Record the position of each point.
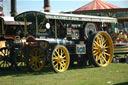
(11, 21)
(96, 5)
(30, 16)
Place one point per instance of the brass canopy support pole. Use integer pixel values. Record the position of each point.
(37, 26)
(3, 27)
(55, 30)
(102, 26)
(25, 26)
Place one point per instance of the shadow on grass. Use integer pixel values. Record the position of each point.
(46, 70)
(125, 83)
(75, 66)
(15, 72)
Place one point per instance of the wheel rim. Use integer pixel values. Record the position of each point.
(5, 58)
(102, 49)
(60, 59)
(37, 59)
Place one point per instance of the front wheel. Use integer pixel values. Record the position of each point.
(100, 49)
(60, 59)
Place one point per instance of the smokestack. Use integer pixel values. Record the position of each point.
(46, 6)
(13, 8)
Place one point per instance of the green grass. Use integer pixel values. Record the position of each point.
(114, 74)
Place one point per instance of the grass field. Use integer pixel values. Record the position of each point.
(114, 74)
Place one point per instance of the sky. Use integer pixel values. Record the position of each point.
(56, 5)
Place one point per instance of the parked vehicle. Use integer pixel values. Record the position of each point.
(57, 39)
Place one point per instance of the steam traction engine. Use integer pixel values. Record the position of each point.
(9, 33)
(60, 39)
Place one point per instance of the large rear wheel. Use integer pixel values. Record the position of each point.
(60, 59)
(100, 49)
(36, 59)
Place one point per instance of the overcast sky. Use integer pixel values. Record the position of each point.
(56, 5)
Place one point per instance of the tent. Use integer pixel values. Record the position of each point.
(96, 5)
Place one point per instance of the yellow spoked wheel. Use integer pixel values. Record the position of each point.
(100, 49)
(60, 59)
(5, 58)
(36, 59)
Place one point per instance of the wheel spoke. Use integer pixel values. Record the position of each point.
(55, 58)
(99, 56)
(105, 50)
(62, 65)
(7, 52)
(54, 61)
(107, 47)
(96, 53)
(107, 54)
(96, 58)
(104, 58)
(3, 63)
(96, 43)
(59, 66)
(101, 62)
(101, 40)
(95, 48)
(63, 61)
(54, 55)
(104, 41)
(3, 53)
(62, 53)
(56, 65)
(57, 53)
(7, 64)
(63, 57)
(98, 39)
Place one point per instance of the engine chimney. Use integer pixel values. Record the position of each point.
(13, 8)
(46, 6)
